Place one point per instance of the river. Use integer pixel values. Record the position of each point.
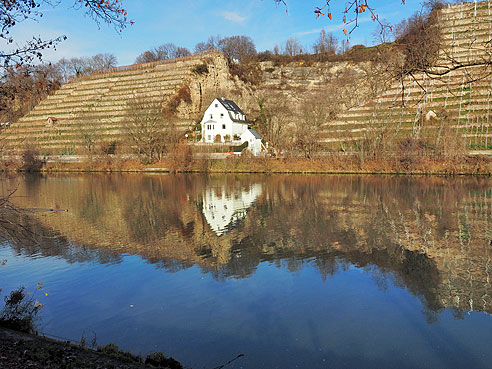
(292, 271)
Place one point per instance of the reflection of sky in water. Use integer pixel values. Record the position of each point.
(276, 318)
(308, 271)
(224, 209)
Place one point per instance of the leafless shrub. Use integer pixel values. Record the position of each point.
(274, 120)
(144, 128)
(314, 113)
(411, 151)
(450, 143)
(30, 158)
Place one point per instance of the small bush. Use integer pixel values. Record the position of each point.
(183, 94)
(180, 156)
(411, 152)
(201, 69)
(30, 161)
(19, 312)
(110, 348)
(247, 72)
(159, 360)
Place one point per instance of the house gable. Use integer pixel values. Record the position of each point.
(216, 111)
(223, 121)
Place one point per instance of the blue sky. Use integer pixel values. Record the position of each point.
(187, 22)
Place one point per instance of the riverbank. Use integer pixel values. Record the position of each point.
(20, 350)
(333, 164)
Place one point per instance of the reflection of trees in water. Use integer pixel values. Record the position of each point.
(408, 228)
(27, 236)
(429, 235)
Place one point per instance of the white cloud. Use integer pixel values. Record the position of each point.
(233, 17)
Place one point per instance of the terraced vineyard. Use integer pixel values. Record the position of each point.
(453, 99)
(97, 104)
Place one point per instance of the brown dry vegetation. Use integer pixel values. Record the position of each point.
(414, 158)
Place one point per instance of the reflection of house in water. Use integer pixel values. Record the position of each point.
(224, 209)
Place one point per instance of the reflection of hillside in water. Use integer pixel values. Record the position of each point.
(430, 235)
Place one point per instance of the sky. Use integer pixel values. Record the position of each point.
(187, 22)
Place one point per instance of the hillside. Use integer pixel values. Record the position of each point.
(457, 91)
(96, 105)
(450, 103)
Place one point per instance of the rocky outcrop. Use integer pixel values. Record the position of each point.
(97, 105)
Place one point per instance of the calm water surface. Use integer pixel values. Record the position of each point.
(292, 271)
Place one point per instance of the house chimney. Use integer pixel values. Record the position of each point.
(223, 98)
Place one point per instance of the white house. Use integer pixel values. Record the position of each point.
(225, 122)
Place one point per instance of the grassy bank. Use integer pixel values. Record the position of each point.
(21, 350)
(340, 163)
(21, 347)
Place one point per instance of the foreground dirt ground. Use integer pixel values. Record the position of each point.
(21, 351)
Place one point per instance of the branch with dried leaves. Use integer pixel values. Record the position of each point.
(351, 13)
(13, 12)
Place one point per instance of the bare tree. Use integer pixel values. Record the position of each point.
(23, 87)
(76, 67)
(326, 43)
(165, 51)
(89, 132)
(144, 128)
(146, 57)
(344, 46)
(308, 127)
(383, 34)
(292, 47)
(274, 119)
(4, 146)
(14, 12)
(102, 61)
(239, 48)
(181, 52)
(211, 44)
(162, 52)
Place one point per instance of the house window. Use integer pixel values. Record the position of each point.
(211, 116)
(209, 138)
(216, 105)
(223, 126)
(222, 115)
